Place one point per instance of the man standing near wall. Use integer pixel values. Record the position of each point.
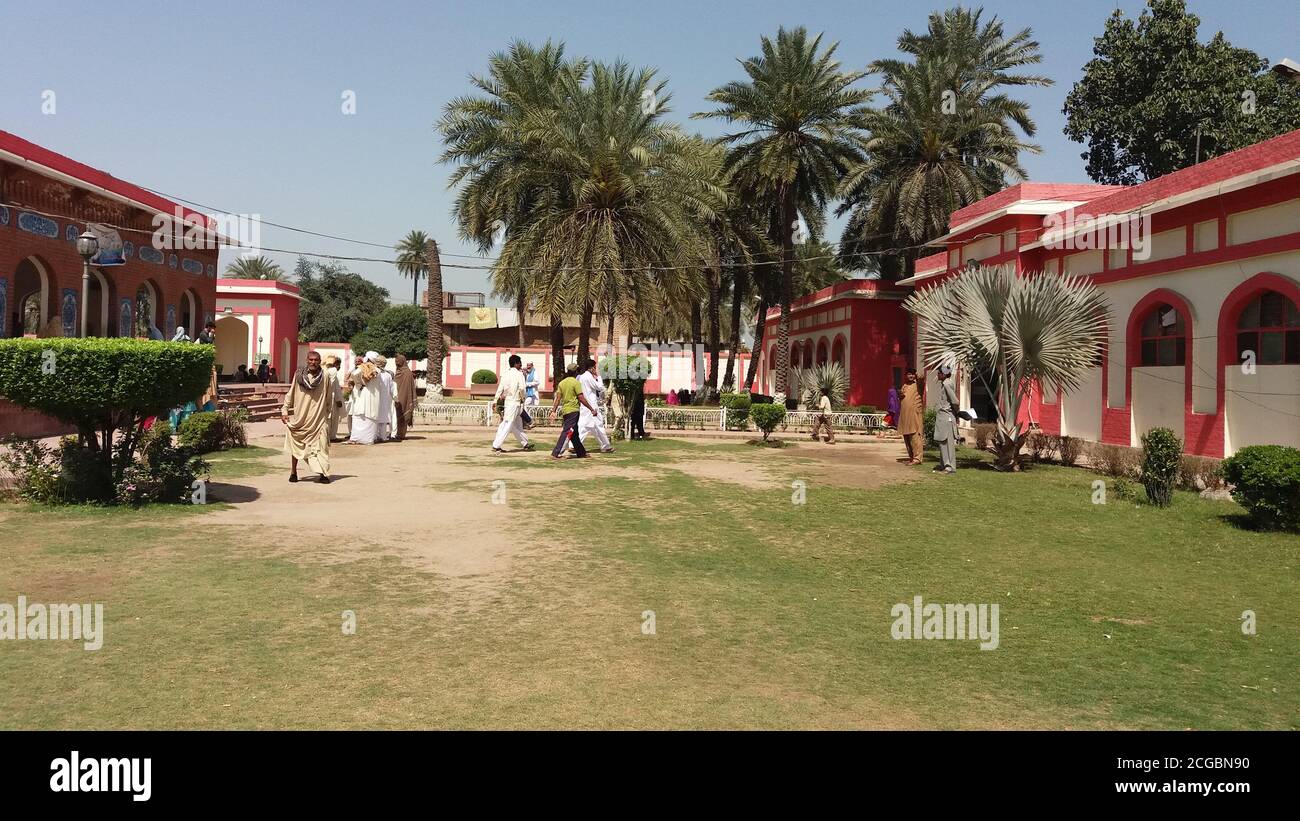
(911, 417)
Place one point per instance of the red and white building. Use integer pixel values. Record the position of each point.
(257, 319)
(1205, 326)
(859, 324)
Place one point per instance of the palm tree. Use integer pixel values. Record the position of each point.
(258, 267)
(801, 132)
(943, 140)
(411, 260)
(1027, 329)
(490, 138)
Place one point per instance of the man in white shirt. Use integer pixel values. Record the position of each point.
(824, 411)
(589, 422)
(511, 389)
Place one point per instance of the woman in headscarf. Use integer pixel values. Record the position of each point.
(403, 396)
(365, 402)
(181, 336)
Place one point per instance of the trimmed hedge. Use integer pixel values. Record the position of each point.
(483, 376)
(1162, 452)
(89, 381)
(1265, 480)
(737, 405)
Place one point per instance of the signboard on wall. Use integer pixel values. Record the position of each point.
(111, 249)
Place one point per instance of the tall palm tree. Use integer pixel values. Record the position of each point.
(944, 139)
(258, 267)
(1026, 328)
(802, 122)
(501, 179)
(411, 260)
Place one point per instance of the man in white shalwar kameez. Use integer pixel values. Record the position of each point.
(511, 390)
(387, 409)
(365, 401)
(588, 421)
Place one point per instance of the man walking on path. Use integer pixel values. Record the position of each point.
(592, 421)
(911, 417)
(308, 407)
(824, 411)
(569, 400)
(511, 389)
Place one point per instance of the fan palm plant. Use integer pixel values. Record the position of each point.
(828, 378)
(801, 132)
(258, 267)
(1028, 329)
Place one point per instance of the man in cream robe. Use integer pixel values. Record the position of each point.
(307, 412)
(387, 410)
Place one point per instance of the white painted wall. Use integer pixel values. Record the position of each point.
(1257, 412)
(1157, 400)
(1081, 410)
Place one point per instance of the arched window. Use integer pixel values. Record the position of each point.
(837, 351)
(795, 356)
(823, 353)
(1163, 337)
(1269, 326)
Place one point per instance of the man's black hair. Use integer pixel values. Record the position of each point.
(515, 360)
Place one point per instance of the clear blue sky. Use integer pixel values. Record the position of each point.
(237, 105)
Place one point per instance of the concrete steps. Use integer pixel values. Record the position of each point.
(262, 401)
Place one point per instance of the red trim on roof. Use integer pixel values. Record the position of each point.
(1030, 191)
(934, 262)
(287, 287)
(1235, 163)
(65, 165)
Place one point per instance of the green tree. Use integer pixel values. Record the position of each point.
(412, 261)
(801, 132)
(418, 255)
(337, 304)
(400, 329)
(258, 267)
(945, 138)
(1154, 93)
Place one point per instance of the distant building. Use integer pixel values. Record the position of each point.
(468, 321)
(257, 319)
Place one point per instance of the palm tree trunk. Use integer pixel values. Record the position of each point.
(715, 321)
(609, 334)
(521, 308)
(557, 348)
(415, 289)
(733, 344)
(437, 347)
(584, 332)
(756, 355)
(787, 288)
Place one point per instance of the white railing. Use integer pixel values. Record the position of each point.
(672, 417)
(454, 413)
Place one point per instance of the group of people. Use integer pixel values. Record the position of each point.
(379, 404)
(580, 400)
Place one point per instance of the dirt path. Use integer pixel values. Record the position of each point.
(398, 487)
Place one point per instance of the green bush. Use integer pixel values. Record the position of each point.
(927, 421)
(1070, 448)
(209, 431)
(737, 405)
(767, 417)
(1197, 473)
(164, 474)
(1265, 480)
(483, 376)
(1162, 451)
(102, 386)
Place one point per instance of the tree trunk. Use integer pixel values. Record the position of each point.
(697, 346)
(557, 348)
(756, 355)
(584, 333)
(437, 348)
(609, 334)
(788, 216)
(737, 296)
(415, 289)
(521, 308)
(715, 321)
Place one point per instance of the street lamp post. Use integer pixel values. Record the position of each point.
(87, 247)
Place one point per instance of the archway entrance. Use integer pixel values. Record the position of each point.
(31, 297)
(984, 395)
(148, 310)
(191, 316)
(232, 344)
(99, 302)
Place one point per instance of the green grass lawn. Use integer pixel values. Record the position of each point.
(767, 613)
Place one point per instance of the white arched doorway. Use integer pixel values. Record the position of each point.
(190, 318)
(232, 344)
